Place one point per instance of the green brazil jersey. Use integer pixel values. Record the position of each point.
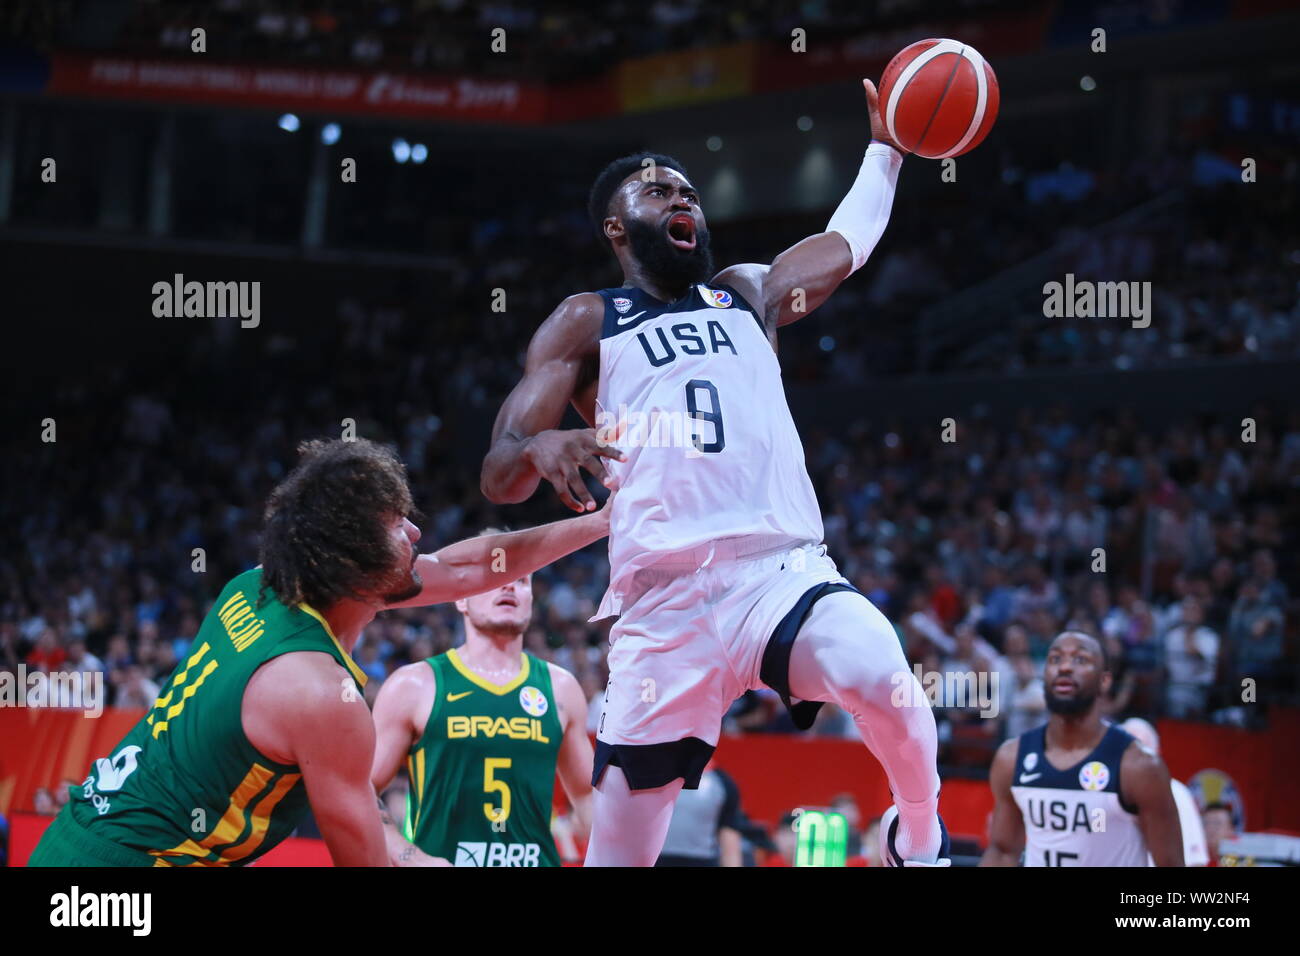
(185, 785)
(483, 772)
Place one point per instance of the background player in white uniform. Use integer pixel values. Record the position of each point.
(1195, 848)
(1079, 791)
(716, 556)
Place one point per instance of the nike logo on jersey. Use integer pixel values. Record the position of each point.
(630, 318)
(452, 698)
(1029, 777)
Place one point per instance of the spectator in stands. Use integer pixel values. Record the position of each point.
(847, 804)
(368, 660)
(1123, 683)
(1219, 827)
(1255, 633)
(1144, 656)
(47, 655)
(117, 659)
(81, 661)
(1191, 659)
(44, 803)
(136, 689)
(1263, 570)
(1028, 703)
(577, 655)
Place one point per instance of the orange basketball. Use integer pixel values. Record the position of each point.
(938, 98)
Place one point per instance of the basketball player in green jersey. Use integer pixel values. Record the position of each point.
(264, 716)
(483, 730)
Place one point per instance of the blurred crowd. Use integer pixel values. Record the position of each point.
(1223, 265)
(978, 551)
(559, 39)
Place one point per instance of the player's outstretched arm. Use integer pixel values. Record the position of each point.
(803, 277)
(1145, 782)
(401, 710)
(574, 763)
(408, 690)
(1007, 832)
(303, 708)
(526, 446)
(480, 564)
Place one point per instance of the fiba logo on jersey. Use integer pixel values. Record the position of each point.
(533, 701)
(717, 298)
(1094, 776)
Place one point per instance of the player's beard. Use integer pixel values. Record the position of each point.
(499, 628)
(1080, 703)
(406, 584)
(672, 266)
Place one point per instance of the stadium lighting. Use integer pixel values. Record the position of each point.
(419, 153)
(401, 150)
(827, 343)
(804, 123)
(714, 143)
(330, 133)
(289, 123)
(1087, 84)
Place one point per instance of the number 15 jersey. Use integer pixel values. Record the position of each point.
(712, 451)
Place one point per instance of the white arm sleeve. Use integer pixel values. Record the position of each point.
(863, 213)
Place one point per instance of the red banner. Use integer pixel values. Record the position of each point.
(830, 59)
(776, 772)
(686, 77)
(298, 88)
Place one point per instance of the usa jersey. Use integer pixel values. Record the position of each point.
(1076, 816)
(712, 451)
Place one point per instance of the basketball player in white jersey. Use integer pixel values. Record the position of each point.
(716, 560)
(1079, 791)
(1195, 846)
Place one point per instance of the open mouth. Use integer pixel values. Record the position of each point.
(681, 231)
(1064, 686)
(507, 602)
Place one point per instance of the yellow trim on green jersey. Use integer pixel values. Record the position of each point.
(357, 673)
(498, 689)
(223, 845)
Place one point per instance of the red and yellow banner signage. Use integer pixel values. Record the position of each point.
(298, 88)
(686, 77)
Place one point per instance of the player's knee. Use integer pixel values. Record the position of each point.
(859, 661)
(861, 682)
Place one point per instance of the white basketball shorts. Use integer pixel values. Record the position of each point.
(697, 630)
